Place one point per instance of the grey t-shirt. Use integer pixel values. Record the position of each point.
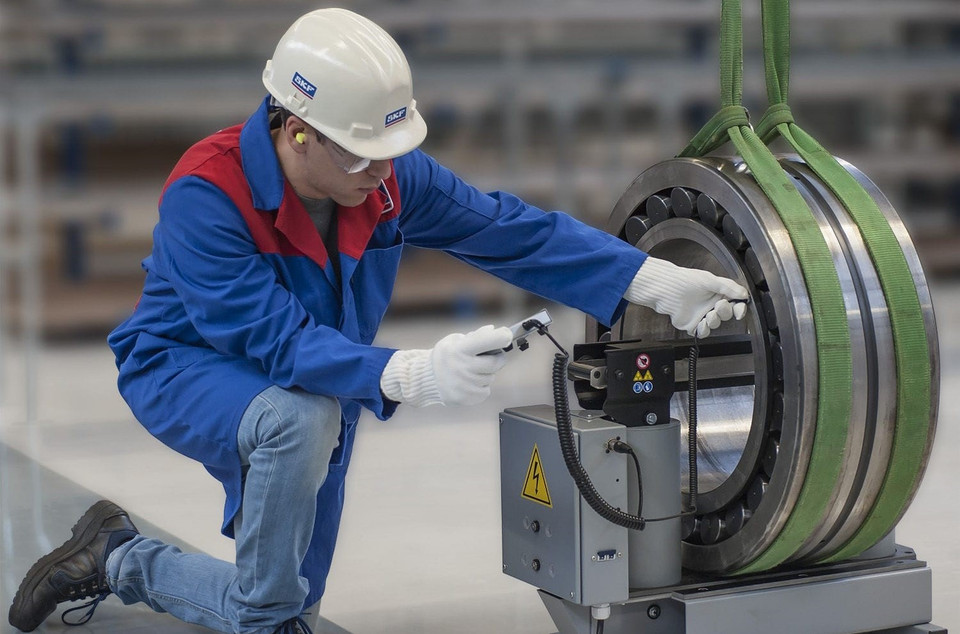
(323, 213)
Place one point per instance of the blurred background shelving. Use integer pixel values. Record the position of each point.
(561, 102)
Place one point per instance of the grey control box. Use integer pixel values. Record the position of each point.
(552, 538)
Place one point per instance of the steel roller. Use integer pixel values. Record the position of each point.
(755, 442)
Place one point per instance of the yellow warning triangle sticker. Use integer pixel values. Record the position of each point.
(643, 376)
(535, 485)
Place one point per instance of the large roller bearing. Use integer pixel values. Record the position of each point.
(755, 442)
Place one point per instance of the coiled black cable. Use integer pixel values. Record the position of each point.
(692, 420)
(572, 460)
(569, 451)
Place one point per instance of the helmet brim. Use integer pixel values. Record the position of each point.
(395, 141)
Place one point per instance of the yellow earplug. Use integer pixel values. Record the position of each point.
(300, 136)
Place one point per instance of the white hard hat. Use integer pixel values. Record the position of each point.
(347, 77)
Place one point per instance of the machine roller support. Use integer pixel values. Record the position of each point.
(774, 540)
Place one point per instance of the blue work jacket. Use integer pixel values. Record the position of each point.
(240, 294)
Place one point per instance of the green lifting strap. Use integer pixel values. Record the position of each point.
(775, 115)
(714, 133)
(834, 363)
(911, 348)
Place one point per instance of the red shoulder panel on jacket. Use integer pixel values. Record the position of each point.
(216, 160)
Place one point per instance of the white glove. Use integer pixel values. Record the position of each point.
(696, 301)
(451, 373)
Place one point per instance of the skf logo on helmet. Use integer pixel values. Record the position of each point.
(303, 85)
(395, 117)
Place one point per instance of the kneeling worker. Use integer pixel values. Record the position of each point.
(250, 351)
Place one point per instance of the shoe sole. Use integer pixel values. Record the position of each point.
(84, 531)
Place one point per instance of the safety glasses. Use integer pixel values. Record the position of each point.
(345, 160)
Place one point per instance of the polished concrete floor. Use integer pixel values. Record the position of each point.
(420, 541)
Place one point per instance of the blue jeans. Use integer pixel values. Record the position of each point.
(285, 441)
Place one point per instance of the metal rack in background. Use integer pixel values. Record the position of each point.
(560, 102)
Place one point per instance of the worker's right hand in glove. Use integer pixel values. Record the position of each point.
(696, 301)
(453, 372)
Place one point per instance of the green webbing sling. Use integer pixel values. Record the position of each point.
(826, 299)
(909, 332)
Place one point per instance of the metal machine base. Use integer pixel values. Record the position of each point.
(890, 595)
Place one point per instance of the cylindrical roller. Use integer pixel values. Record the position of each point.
(659, 208)
(756, 442)
(710, 214)
(635, 228)
(684, 202)
(736, 516)
(754, 270)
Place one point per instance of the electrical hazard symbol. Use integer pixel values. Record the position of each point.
(535, 485)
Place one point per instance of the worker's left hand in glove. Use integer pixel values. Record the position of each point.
(696, 301)
(453, 372)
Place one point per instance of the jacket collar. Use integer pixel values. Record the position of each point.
(260, 163)
(272, 192)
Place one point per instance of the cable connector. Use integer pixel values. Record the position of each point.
(534, 324)
(600, 612)
(619, 446)
(541, 328)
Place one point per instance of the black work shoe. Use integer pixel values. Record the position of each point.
(76, 570)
